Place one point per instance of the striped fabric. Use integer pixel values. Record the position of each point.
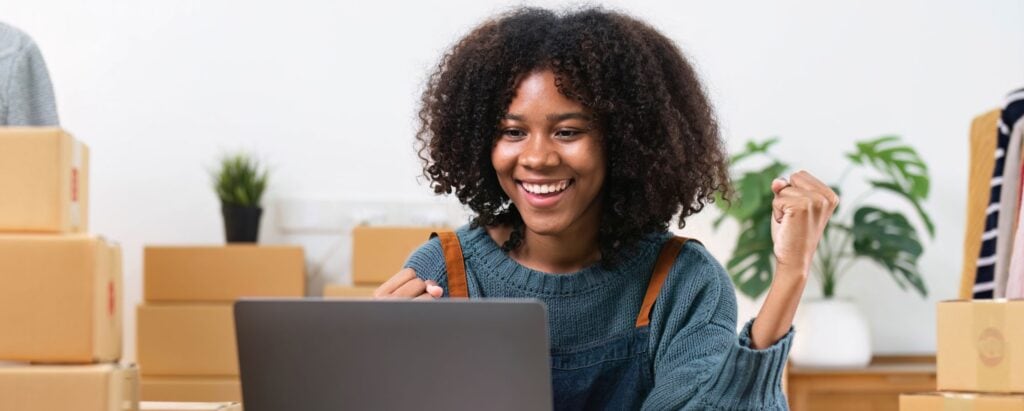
(994, 257)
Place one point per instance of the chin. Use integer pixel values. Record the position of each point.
(545, 225)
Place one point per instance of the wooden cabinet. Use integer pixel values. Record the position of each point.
(874, 388)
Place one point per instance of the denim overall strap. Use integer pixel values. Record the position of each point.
(666, 258)
(454, 262)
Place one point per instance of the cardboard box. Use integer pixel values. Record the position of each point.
(96, 387)
(44, 178)
(981, 346)
(133, 390)
(60, 299)
(186, 340)
(187, 389)
(223, 273)
(948, 401)
(190, 406)
(379, 252)
(347, 291)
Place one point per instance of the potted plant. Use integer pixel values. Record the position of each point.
(832, 332)
(239, 184)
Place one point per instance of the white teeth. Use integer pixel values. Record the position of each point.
(546, 188)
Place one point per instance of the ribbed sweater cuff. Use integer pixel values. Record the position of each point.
(751, 379)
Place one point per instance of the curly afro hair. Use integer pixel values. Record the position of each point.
(660, 136)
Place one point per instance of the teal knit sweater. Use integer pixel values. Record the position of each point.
(699, 361)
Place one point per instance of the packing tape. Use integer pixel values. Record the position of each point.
(76, 180)
(993, 365)
(958, 402)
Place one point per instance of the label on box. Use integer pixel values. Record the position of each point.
(111, 298)
(989, 321)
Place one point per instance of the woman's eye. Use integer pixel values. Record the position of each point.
(513, 133)
(567, 133)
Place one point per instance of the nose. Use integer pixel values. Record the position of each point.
(539, 153)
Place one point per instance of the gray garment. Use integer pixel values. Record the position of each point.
(1008, 210)
(26, 94)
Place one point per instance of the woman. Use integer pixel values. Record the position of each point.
(575, 139)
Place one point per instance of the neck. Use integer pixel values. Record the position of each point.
(564, 252)
(559, 253)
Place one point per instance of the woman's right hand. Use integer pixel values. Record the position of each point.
(407, 285)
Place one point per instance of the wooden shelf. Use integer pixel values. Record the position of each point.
(873, 388)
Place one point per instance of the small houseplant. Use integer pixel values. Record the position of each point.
(239, 183)
(858, 231)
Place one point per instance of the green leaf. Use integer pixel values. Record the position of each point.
(896, 189)
(839, 192)
(753, 148)
(752, 189)
(241, 180)
(888, 239)
(899, 162)
(752, 262)
(721, 217)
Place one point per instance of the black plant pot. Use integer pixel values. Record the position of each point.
(241, 224)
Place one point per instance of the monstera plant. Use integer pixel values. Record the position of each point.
(859, 230)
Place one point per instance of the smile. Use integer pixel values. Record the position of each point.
(550, 188)
(544, 194)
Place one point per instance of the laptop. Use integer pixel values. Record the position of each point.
(338, 354)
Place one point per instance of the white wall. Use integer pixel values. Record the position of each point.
(327, 91)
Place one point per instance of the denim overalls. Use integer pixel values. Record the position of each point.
(616, 373)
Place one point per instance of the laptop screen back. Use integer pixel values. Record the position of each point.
(317, 354)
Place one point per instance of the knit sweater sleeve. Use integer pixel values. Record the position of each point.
(699, 360)
(428, 262)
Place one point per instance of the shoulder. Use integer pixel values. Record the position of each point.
(429, 261)
(698, 288)
(695, 266)
(14, 42)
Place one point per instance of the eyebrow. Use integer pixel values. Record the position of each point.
(554, 117)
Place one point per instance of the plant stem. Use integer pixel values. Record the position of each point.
(855, 203)
(850, 258)
(842, 177)
(827, 257)
(829, 287)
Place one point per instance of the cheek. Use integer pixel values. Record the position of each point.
(503, 159)
(588, 160)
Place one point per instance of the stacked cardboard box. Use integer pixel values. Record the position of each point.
(100, 387)
(60, 288)
(348, 291)
(980, 361)
(377, 254)
(44, 176)
(186, 332)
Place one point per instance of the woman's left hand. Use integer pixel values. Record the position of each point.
(800, 212)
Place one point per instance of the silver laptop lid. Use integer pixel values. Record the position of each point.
(333, 354)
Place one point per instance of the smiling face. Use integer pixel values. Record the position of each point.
(549, 159)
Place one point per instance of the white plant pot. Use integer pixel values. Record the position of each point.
(830, 333)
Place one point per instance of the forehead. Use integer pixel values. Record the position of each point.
(537, 92)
